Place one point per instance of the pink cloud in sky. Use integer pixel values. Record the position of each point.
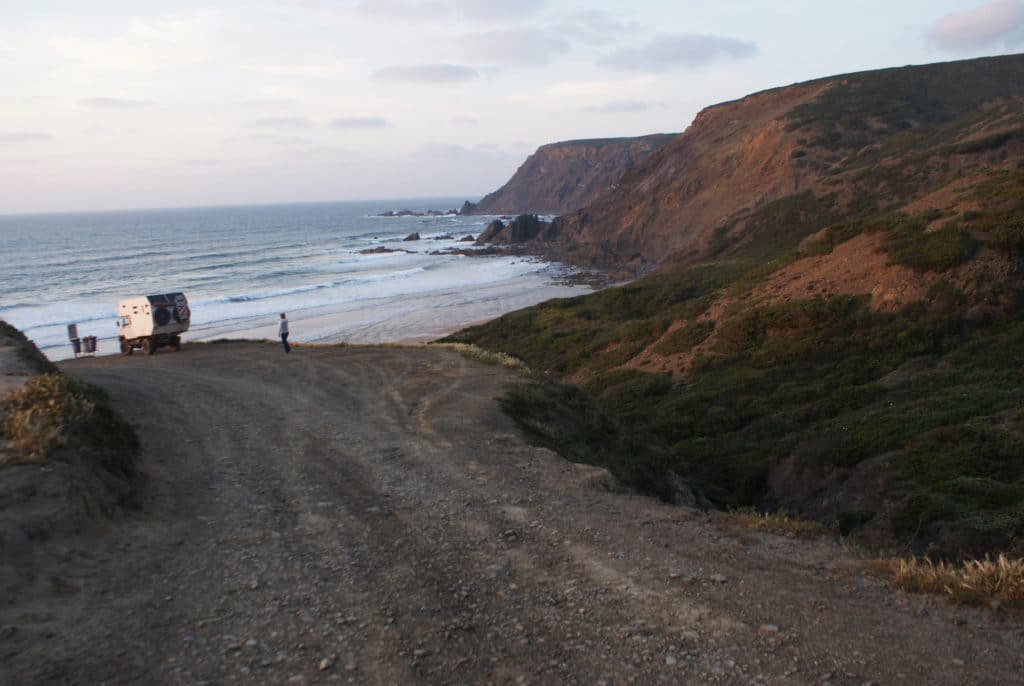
(994, 22)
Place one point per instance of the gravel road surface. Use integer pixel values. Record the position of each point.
(367, 515)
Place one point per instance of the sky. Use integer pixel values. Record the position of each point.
(132, 103)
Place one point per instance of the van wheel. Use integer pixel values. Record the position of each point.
(177, 344)
(126, 347)
(147, 346)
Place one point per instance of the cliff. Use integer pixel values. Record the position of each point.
(925, 127)
(563, 177)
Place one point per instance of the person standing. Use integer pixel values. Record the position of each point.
(282, 331)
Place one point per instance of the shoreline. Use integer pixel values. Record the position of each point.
(420, 318)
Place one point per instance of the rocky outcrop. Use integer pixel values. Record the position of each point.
(524, 228)
(563, 177)
(414, 236)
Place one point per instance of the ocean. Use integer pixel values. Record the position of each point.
(241, 266)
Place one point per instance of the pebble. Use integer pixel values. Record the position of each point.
(670, 660)
(768, 629)
(326, 664)
(717, 579)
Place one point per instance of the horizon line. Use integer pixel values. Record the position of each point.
(230, 205)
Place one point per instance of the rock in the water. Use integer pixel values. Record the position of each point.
(414, 236)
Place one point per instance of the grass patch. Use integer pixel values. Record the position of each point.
(474, 352)
(50, 413)
(993, 582)
(779, 522)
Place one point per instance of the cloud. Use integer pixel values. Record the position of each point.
(274, 139)
(282, 123)
(432, 73)
(514, 47)
(24, 137)
(619, 107)
(682, 50)
(604, 90)
(449, 10)
(1001, 21)
(205, 163)
(490, 10)
(403, 9)
(595, 26)
(114, 103)
(360, 123)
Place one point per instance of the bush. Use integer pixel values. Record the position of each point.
(934, 251)
(39, 416)
(52, 416)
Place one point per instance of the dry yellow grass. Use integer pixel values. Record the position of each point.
(998, 582)
(779, 522)
(486, 356)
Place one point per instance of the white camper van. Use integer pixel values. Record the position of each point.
(152, 321)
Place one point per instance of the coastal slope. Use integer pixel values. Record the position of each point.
(563, 177)
(829, 317)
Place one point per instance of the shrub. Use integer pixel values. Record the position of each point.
(934, 251)
(40, 415)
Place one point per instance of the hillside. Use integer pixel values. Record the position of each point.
(834, 325)
(858, 143)
(563, 177)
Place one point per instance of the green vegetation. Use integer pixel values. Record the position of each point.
(860, 108)
(1001, 217)
(54, 417)
(932, 251)
(828, 380)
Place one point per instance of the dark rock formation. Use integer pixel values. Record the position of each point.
(467, 239)
(382, 249)
(414, 236)
(523, 228)
(492, 230)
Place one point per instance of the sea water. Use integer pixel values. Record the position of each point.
(241, 266)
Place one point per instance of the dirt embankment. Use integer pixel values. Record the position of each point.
(367, 515)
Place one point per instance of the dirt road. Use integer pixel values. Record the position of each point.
(368, 516)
